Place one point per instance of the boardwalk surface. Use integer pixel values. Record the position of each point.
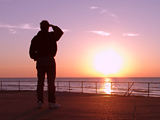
(75, 106)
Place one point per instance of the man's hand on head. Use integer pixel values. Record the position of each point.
(51, 25)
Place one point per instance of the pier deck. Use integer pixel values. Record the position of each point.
(77, 106)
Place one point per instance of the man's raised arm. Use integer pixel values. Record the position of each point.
(57, 32)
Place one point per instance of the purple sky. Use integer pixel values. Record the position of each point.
(129, 28)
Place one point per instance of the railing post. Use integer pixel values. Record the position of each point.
(82, 86)
(148, 89)
(58, 85)
(111, 88)
(69, 86)
(128, 87)
(1, 85)
(19, 86)
(96, 87)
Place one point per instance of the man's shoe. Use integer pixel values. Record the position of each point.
(53, 105)
(40, 105)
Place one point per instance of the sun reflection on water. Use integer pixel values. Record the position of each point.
(107, 87)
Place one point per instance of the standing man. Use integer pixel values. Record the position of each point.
(43, 49)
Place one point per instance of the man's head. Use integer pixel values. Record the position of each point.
(44, 25)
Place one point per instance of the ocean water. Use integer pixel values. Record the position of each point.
(149, 87)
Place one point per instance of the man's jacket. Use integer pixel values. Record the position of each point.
(44, 43)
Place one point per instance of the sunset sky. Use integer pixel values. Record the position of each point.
(102, 38)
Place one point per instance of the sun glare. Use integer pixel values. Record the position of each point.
(107, 86)
(108, 62)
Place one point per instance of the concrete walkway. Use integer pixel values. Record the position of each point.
(76, 106)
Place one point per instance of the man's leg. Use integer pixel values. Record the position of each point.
(51, 72)
(40, 85)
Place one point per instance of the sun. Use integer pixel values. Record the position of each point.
(108, 62)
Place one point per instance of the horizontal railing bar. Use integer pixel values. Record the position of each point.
(90, 81)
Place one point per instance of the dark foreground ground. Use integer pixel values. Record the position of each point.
(76, 106)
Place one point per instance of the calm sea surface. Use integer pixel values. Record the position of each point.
(111, 86)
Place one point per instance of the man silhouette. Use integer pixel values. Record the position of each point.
(43, 48)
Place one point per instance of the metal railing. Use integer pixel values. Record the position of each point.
(148, 89)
